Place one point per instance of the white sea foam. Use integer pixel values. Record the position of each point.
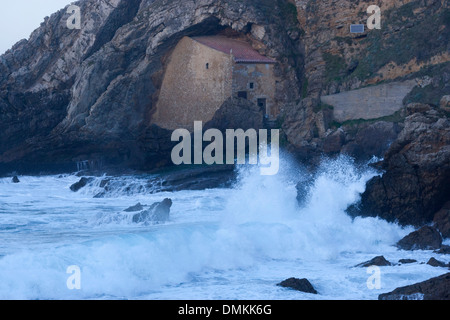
(219, 244)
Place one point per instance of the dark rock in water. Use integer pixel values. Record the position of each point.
(197, 178)
(15, 179)
(441, 220)
(426, 238)
(158, 212)
(302, 285)
(379, 261)
(443, 250)
(436, 263)
(104, 182)
(135, 208)
(80, 184)
(417, 171)
(406, 261)
(433, 289)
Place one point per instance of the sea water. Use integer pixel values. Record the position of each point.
(234, 243)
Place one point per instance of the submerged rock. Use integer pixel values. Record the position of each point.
(379, 261)
(406, 261)
(433, 289)
(302, 285)
(158, 212)
(443, 250)
(436, 263)
(426, 238)
(135, 208)
(80, 184)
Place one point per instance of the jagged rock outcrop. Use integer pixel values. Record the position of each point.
(158, 212)
(70, 95)
(426, 238)
(437, 288)
(379, 261)
(135, 208)
(80, 184)
(417, 170)
(437, 263)
(302, 285)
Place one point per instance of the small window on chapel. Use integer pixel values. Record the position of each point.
(207, 66)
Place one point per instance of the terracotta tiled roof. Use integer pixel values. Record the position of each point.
(242, 51)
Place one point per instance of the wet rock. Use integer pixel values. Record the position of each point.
(80, 184)
(379, 261)
(436, 263)
(443, 250)
(104, 183)
(442, 220)
(157, 213)
(406, 261)
(135, 208)
(433, 289)
(302, 285)
(415, 184)
(15, 179)
(197, 178)
(426, 238)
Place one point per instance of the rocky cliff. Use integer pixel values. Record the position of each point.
(348, 75)
(89, 94)
(415, 185)
(411, 46)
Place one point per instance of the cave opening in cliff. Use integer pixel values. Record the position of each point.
(206, 65)
(234, 69)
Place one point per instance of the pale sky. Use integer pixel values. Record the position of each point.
(19, 18)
